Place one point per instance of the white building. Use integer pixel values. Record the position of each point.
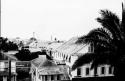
(4, 70)
(69, 51)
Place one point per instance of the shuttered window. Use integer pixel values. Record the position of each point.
(87, 71)
(102, 70)
(78, 71)
(110, 70)
(52, 77)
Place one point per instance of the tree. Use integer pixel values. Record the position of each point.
(26, 55)
(6, 45)
(23, 55)
(108, 42)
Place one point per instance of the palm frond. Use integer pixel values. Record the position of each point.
(100, 33)
(102, 58)
(80, 40)
(84, 59)
(99, 41)
(97, 33)
(123, 18)
(111, 22)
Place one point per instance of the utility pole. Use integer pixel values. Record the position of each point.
(9, 70)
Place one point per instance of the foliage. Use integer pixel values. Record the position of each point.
(108, 42)
(26, 55)
(22, 75)
(7, 45)
(23, 55)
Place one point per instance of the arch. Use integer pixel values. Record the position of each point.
(69, 58)
(66, 57)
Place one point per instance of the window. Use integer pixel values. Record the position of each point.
(110, 70)
(89, 49)
(103, 70)
(34, 73)
(95, 71)
(1, 78)
(43, 78)
(39, 75)
(58, 77)
(78, 71)
(6, 65)
(46, 78)
(52, 77)
(2, 66)
(64, 56)
(87, 71)
(51, 53)
(58, 54)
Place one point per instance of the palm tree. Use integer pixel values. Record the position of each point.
(108, 42)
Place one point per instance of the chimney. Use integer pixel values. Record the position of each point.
(42, 56)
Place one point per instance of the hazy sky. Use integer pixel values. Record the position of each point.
(60, 18)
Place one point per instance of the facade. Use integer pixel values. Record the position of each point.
(4, 66)
(16, 66)
(4, 70)
(85, 71)
(43, 69)
(69, 52)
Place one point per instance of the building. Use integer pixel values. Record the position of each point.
(16, 66)
(4, 70)
(70, 51)
(54, 44)
(43, 69)
(4, 66)
(23, 69)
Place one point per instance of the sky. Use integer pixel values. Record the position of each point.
(62, 19)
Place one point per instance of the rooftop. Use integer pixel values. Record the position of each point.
(70, 47)
(10, 56)
(47, 67)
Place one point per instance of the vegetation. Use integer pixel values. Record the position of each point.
(23, 55)
(26, 55)
(22, 75)
(6, 45)
(108, 42)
